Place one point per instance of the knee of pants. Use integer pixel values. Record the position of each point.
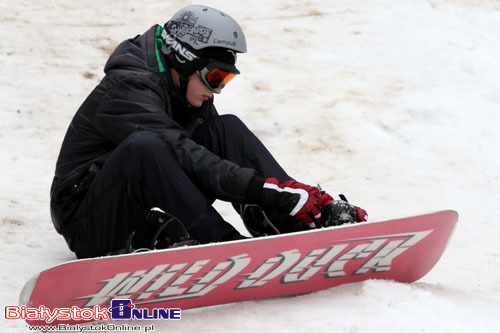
(229, 122)
(228, 126)
(144, 151)
(145, 143)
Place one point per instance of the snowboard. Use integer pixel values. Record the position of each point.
(403, 250)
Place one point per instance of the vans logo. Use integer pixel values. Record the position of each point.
(171, 42)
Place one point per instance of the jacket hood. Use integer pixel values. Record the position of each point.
(139, 53)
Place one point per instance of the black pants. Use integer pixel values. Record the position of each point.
(143, 172)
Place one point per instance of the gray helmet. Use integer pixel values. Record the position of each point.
(196, 33)
(201, 27)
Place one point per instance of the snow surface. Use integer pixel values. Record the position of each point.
(396, 104)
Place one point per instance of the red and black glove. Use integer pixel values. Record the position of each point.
(301, 201)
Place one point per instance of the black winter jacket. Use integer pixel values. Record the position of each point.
(137, 94)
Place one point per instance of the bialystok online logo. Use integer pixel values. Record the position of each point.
(121, 309)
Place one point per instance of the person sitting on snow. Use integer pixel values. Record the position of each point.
(147, 148)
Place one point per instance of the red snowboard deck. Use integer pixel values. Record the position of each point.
(403, 250)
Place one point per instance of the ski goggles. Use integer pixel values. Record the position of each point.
(215, 75)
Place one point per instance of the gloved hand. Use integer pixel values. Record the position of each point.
(339, 212)
(303, 202)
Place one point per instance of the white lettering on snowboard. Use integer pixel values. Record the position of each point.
(190, 280)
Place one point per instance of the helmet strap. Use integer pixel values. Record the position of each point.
(183, 80)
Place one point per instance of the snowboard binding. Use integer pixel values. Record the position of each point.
(256, 221)
(170, 232)
(269, 222)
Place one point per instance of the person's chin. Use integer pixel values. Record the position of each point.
(196, 103)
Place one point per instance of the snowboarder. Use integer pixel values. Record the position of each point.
(149, 136)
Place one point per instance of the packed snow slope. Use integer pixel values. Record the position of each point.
(396, 104)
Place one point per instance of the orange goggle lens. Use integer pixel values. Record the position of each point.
(218, 78)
